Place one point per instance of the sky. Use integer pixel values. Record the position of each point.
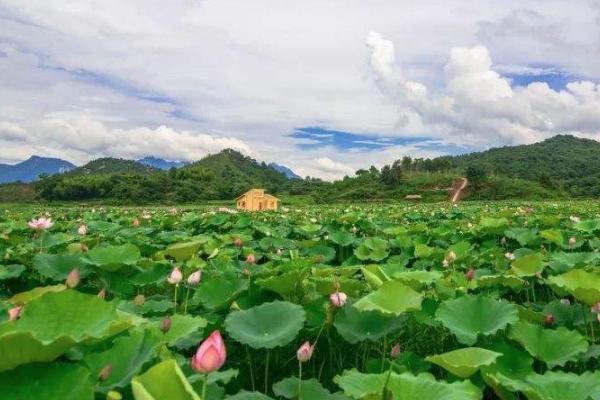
(324, 87)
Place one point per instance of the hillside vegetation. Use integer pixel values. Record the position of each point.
(560, 167)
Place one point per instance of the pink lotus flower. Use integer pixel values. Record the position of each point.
(572, 241)
(338, 299)
(509, 256)
(596, 308)
(82, 230)
(470, 274)
(251, 259)
(194, 278)
(238, 242)
(40, 224)
(175, 277)
(102, 294)
(136, 223)
(73, 278)
(395, 352)
(451, 256)
(305, 352)
(14, 313)
(165, 324)
(211, 354)
(565, 302)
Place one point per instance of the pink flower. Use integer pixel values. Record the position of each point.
(175, 277)
(82, 230)
(211, 354)
(451, 256)
(305, 352)
(102, 294)
(194, 278)
(509, 256)
(165, 324)
(395, 352)
(73, 278)
(596, 308)
(470, 274)
(251, 259)
(136, 223)
(338, 299)
(238, 242)
(572, 241)
(40, 224)
(14, 313)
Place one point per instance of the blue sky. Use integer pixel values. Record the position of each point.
(295, 83)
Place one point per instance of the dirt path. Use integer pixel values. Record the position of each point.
(459, 190)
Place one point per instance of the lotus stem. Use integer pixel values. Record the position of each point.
(175, 300)
(187, 295)
(267, 372)
(299, 380)
(250, 368)
(204, 385)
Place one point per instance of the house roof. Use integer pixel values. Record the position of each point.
(255, 190)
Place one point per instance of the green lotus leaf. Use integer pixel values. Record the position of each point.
(320, 253)
(163, 381)
(464, 362)
(510, 281)
(418, 277)
(311, 389)
(342, 238)
(585, 286)
(113, 258)
(522, 235)
(423, 251)
(404, 386)
(461, 249)
(357, 326)
(528, 265)
(127, 356)
(56, 381)
(218, 292)
(57, 266)
(589, 225)
(283, 284)
(469, 316)
(554, 347)
(555, 385)
(553, 235)
(183, 326)
(325, 286)
(244, 395)
(11, 271)
(372, 249)
(514, 362)
(184, 251)
(574, 259)
(26, 297)
(266, 326)
(392, 297)
(150, 306)
(55, 321)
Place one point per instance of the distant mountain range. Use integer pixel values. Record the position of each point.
(30, 169)
(284, 170)
(160, 163)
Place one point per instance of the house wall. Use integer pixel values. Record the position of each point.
(257, 200)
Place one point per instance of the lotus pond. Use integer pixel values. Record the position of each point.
(408, 302)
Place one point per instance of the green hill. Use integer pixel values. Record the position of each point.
(109, 165)
(562, 162)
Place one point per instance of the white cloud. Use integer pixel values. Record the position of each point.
(478, 106)
(82, 139)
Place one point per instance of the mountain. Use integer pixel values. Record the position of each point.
(109, 165)
(30, 169)
(160, 163)
(284, 170)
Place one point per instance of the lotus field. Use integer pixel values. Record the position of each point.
(407, 302)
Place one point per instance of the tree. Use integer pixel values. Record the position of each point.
(476, 173)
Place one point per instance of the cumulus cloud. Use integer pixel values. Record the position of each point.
(479, 106)
(81, 138)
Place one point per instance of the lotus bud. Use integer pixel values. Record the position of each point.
(338, 299)
(234, 306)
(246, 272)
(451, 256)
(251, 259)
(83, 247)
(279, 252)
(470, 274)
(238, 242)
(194, 278)
(549, 319)
(14, 313)
(82, 230)
(395, 352)
(596, 308)
(73, 278)
(445, 263)
(105, 372)
(139, 300)
(574, 219)
(354, 229)
(102, 294)
(503, 241)
(165, 324)
(565, 302)
(509, 256)
(572, 241)
(305, 352)
(135, 223)
(175, 277)
(211, 354)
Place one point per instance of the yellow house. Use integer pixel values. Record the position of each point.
(256, 200)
